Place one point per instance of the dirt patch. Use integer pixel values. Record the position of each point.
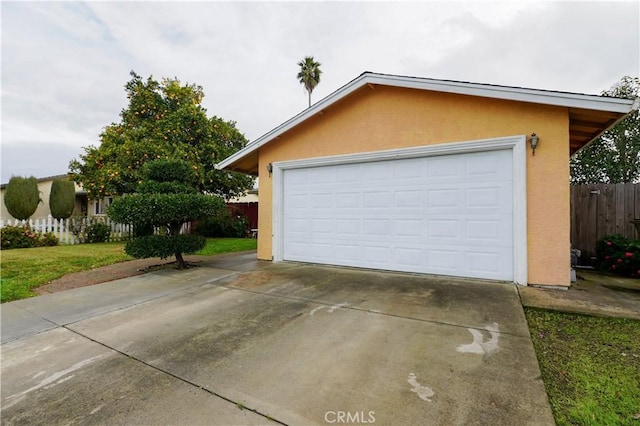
(110, 273)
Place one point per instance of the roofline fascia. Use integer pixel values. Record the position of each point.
(545, 97)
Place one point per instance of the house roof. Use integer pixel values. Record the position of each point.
(589, 115)
(42, 179)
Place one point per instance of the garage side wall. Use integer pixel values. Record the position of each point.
(383, 118)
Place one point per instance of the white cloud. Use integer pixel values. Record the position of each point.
(64, 65)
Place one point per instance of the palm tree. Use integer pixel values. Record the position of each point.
(309, 74)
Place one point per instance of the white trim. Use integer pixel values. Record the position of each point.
(517, 145)
(545, 97)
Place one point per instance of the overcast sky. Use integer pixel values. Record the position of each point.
(64, 65)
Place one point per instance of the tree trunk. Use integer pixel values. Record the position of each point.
(309, 99)
(174, 230)
(181, 264)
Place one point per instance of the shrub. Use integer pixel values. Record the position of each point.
(13, 237)
(49, 240)
(21, 197)
(98, 233)
(619, 255)
(62, 198)
(223, 225)
(166, 198)
(164, 246)
(142, 230)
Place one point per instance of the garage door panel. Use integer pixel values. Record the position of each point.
(375, 255)
(347, 174)
(443, 198)
(487, 165)
(349, 252)
(408, 198)
(348, 227)
(444, 168)
(450, 215)
(412, 170)
(408, 228)
(320, 175)
(444, 229)
(483, 262)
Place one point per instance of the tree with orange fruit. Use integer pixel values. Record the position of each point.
(163, 120)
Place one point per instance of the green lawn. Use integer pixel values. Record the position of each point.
(590, 367)
(228, 245)
(21, 270)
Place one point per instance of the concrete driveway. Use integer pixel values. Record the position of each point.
(244, 342)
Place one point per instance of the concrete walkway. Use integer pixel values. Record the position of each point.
(237, 341)
(594, 293)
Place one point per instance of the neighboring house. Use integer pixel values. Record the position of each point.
(429, 176)
(83, 206)
(43, 210)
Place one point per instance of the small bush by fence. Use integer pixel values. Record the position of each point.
(78, 230)
(72, 230)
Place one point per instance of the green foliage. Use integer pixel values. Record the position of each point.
(309, 74)
(62, 198)
(141, 230)
(223, 225)
(14, 237)
(21, 197)
(164, 120)
(98, 233)
(168, 177)
(164, 246)
(619, 255)
(170, 207)
(614, 157)
(171, 210)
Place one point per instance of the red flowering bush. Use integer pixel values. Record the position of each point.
(12, 237)
(619, 255)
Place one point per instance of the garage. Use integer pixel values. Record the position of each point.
(431, 176)
(448, 214)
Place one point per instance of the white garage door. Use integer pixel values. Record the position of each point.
(448, 215)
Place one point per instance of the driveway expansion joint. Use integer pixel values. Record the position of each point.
(238, 404)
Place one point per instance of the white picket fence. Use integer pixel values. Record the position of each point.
(72, 230)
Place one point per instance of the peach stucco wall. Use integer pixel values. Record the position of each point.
(381, 118)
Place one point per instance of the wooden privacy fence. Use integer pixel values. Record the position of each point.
(602, 209)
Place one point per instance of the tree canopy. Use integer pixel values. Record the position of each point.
(614, 157)
(162, 120)
(166, 197)
(309, 74)
(22, 197)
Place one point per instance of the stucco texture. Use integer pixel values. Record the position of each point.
(383, 117)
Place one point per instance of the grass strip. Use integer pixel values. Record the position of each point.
(590, 367)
